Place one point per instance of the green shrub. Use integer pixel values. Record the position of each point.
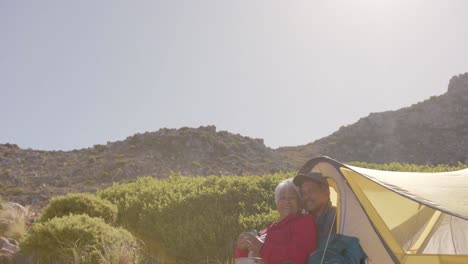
(80, 203)
(194, 219)
(79, 239)
(196, 164)
(92, 159)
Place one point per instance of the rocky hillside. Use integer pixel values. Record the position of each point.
(434, 131)
(32, 176)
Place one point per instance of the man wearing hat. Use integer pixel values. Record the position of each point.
(315, 193)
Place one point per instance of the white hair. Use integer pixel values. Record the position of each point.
(287, 184)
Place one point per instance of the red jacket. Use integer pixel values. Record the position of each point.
(293, 239)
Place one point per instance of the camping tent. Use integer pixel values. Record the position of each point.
(400, 217)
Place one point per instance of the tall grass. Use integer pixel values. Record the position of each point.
(14, 220)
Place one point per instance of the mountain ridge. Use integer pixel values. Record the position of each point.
(434, 131)
(32, 176)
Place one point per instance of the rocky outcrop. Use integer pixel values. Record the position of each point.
(9, 252)
(8, 246)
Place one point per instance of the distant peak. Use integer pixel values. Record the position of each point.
(458, 84)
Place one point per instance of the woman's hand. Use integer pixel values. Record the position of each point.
(242, 242)
(254, 244)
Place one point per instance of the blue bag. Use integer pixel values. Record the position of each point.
(341, 249)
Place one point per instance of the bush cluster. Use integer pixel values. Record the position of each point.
(80, 203)
(194, 219)
(79, 239)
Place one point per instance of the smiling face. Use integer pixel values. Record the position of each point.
(314, 198)
(288, 203)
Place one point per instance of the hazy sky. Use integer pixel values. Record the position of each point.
(78, 73)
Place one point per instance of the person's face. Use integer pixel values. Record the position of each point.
(288, 203)
(313, 197)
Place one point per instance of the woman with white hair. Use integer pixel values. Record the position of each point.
(292, 238)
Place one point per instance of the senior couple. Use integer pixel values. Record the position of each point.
(306, 217)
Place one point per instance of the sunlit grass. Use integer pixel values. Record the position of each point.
(13, 220)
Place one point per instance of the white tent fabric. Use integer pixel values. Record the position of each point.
(451, 229)
(446, 191)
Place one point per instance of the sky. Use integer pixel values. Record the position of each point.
(78, 73)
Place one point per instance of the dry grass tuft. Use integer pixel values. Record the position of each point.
(14, 219)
